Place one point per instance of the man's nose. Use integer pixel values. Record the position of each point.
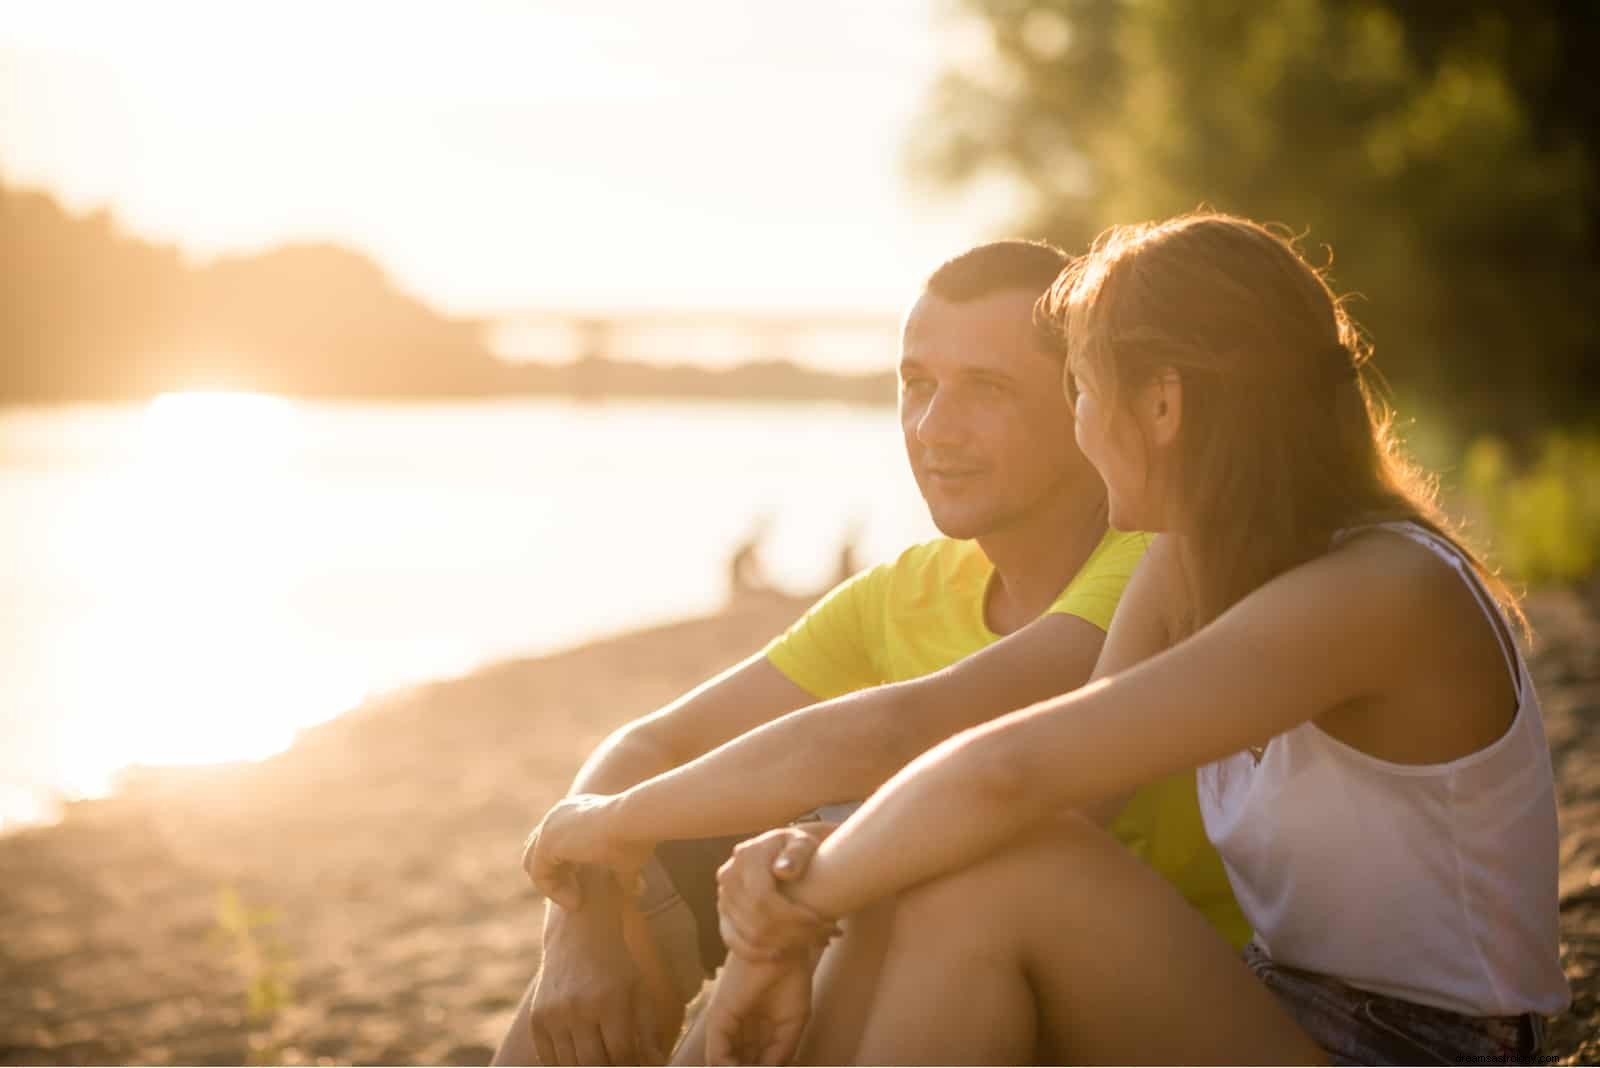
(941, 421)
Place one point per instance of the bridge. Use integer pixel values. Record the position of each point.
(838, 340)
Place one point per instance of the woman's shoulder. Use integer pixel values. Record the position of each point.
(1417, 587)
(1157, 591)
(1406, 565)
(1444, 652)
(1387, 590)
(1160, 559)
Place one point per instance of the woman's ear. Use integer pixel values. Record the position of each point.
(1161, 407)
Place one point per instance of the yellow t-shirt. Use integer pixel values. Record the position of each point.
(924, 612)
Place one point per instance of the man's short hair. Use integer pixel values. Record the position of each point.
(997, 267)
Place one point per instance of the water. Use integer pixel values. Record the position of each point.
(194, 579)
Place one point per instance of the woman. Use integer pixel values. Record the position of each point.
(1372, 763)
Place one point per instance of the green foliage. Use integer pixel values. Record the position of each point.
(1544, 516)
(1447, 152)
(262, 960)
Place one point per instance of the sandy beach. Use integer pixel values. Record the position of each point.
(357, 898)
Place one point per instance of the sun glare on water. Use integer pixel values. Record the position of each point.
(220, 423)
(202, 657)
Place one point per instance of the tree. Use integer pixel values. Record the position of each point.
(1446, 151)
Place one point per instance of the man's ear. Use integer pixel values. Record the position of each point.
(1161, 407)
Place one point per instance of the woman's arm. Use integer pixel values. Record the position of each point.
(1325, 633)
(1140, 629)
(838, 750)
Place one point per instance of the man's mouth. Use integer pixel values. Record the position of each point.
(954, 474)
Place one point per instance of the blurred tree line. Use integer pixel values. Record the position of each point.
(1446, 151)
(88, 312)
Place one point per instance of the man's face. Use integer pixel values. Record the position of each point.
(988, 430)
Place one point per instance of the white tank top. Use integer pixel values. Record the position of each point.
(1434, 883)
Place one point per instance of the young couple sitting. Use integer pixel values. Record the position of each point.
(1309, 692)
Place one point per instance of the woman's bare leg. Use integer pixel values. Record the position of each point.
(845, 987)
(1065, 948)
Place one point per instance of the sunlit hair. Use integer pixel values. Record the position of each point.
(1284, 439)
(997, 267)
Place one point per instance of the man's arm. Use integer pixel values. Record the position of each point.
(846, 748)
(744, 697)
(741, 698)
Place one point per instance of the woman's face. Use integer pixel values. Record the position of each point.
(1110, 437)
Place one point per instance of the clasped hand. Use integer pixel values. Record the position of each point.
(579, 830)
(757, 919)
(762, 1001)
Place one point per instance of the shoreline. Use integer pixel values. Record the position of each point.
(356, 898)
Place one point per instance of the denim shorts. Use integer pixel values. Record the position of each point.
(1355, 1026)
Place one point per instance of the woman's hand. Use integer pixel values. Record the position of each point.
(756, 919)
(581, 829)
(759, 1010)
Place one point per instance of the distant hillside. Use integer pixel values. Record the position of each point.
(90, 313)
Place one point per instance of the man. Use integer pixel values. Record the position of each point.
(1010, 607)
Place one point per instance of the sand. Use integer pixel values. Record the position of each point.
(358, 899)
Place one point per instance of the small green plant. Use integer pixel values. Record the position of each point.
(262, 960)
(1543, 517)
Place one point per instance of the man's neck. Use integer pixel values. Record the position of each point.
(1034, 561)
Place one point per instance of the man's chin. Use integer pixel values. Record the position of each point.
(958, 526)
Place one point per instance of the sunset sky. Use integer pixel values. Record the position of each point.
(503, 155)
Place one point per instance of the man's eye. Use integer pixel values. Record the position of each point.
(911, 385)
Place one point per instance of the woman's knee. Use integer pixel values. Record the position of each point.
(1006, 887)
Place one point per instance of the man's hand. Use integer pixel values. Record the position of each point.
(590, 1003)
(757, 920)
(580, 830)
(759, 1010)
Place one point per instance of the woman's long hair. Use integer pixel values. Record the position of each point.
(1284, 439)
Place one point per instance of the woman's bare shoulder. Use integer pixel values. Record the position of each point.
(1163, 566)
(1422, 596)
(1155, 600)
(1446, 665)
(1407, 574)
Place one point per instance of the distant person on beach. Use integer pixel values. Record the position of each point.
(745, 575)
(849, 553)
(1009, 607)
(1306, 632)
